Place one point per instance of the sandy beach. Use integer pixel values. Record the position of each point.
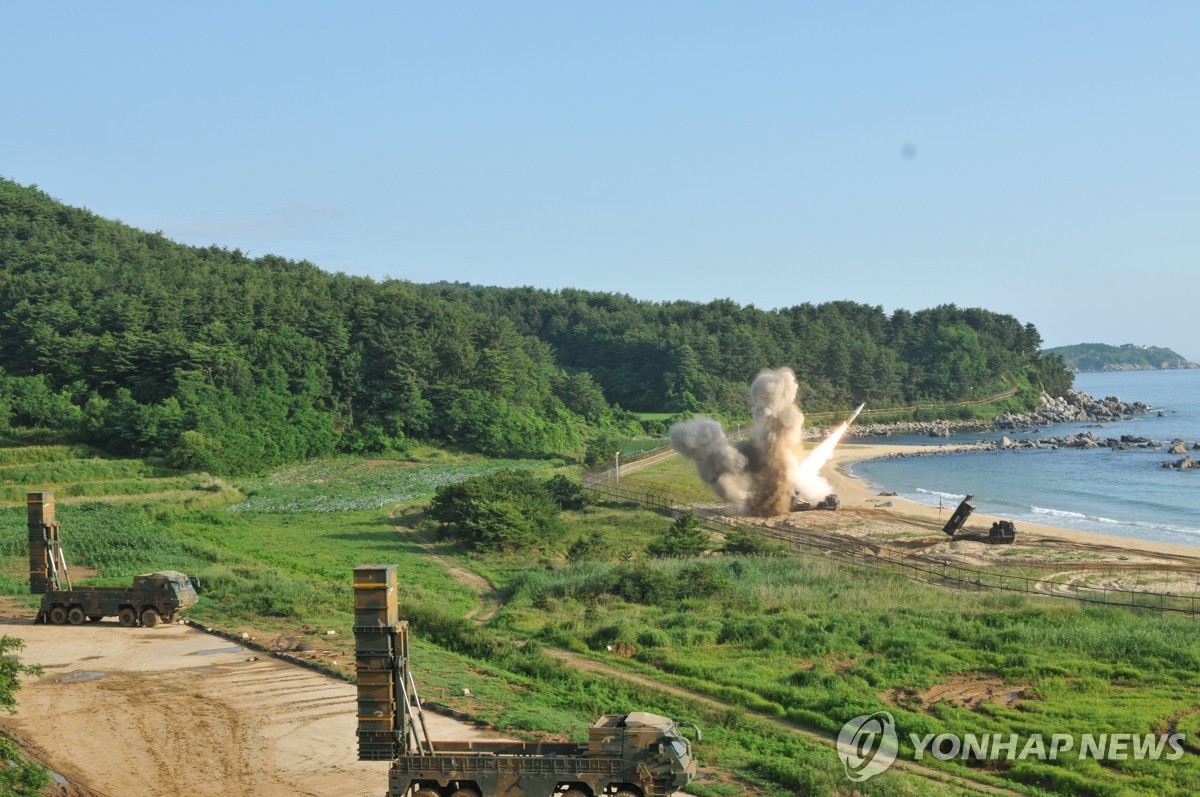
(1058, 558)
(854, 491)
(1063, 558)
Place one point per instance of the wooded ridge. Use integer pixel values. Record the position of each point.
(226, 363)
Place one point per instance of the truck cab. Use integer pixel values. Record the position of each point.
(651, 741)
(175, 589)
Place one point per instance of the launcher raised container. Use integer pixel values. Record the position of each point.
(626, 755)
(1002, 532)
(152, 598)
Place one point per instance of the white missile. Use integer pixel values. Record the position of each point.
(854, 415)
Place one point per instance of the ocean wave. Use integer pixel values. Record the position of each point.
(1084, 521)
(951, 496)
(1037, 510)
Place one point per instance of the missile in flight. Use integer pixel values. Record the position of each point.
(854, 415)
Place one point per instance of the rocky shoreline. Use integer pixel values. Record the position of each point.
(1075, 407)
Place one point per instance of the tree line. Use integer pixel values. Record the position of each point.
(217, 361)
(693, 357)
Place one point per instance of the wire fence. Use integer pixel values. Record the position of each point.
(940, 573)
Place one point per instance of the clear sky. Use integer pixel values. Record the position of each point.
(1035, 158)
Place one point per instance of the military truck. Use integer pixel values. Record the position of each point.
(1002, 532)
(626, 755)
(153, 597)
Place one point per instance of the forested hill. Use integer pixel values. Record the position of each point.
(226, 363)
(685, 356)
(1103, 357)
(222, 362)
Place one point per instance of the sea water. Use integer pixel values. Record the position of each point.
(1121, 493)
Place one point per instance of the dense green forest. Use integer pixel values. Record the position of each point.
(225, 363)
(691, 357)
(1103, 357)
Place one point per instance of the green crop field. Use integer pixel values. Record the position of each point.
(790, 639)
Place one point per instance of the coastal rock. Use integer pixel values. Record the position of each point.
(1178, 447)
(1074, 407)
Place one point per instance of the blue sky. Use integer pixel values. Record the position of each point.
(1035, 158)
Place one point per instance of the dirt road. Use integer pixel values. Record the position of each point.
(131, 712)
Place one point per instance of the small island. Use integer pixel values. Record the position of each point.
(1088, 357)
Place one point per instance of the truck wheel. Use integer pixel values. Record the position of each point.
(58, 615)
(464, 793)
(575, 793)
(627, 793)
(169, 619)
(127, 617)
(75, 616)
(150, 618)
(427, 793)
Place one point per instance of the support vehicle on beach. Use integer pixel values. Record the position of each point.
(151, 599)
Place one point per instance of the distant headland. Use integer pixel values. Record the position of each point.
(1086, 357)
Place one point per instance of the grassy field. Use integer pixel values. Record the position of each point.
(803, 640)
(818, 643)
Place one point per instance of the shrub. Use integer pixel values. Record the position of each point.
(505, 510)
(684, 538)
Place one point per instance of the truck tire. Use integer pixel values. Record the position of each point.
(427, 793)
(150, 618)
(75, 616)
(575, 793)
(627, 793)
(464, 792)
(58, 615)
(127, 617)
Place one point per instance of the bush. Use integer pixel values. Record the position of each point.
(684, 538)
(743, 542)
(505, 510)
(567, 493)
(593, 546)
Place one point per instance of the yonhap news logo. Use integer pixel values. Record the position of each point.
(867, 745)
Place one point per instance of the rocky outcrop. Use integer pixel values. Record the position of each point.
(1075, 407)
(1087, 439)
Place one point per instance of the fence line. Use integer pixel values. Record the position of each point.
(862, 553)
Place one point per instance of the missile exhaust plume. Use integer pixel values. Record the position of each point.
(764, 473)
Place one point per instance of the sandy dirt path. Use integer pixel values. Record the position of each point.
(131, 712)
(490, 600)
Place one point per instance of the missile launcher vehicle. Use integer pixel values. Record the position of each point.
(626, 755)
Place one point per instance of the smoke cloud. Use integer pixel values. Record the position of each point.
(765, 472)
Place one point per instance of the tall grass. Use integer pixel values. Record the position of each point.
(819, 643)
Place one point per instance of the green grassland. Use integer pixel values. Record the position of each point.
(800, 640)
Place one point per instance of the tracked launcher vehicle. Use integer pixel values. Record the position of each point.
(1002, 532)
(626, 755)
(152, 598)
